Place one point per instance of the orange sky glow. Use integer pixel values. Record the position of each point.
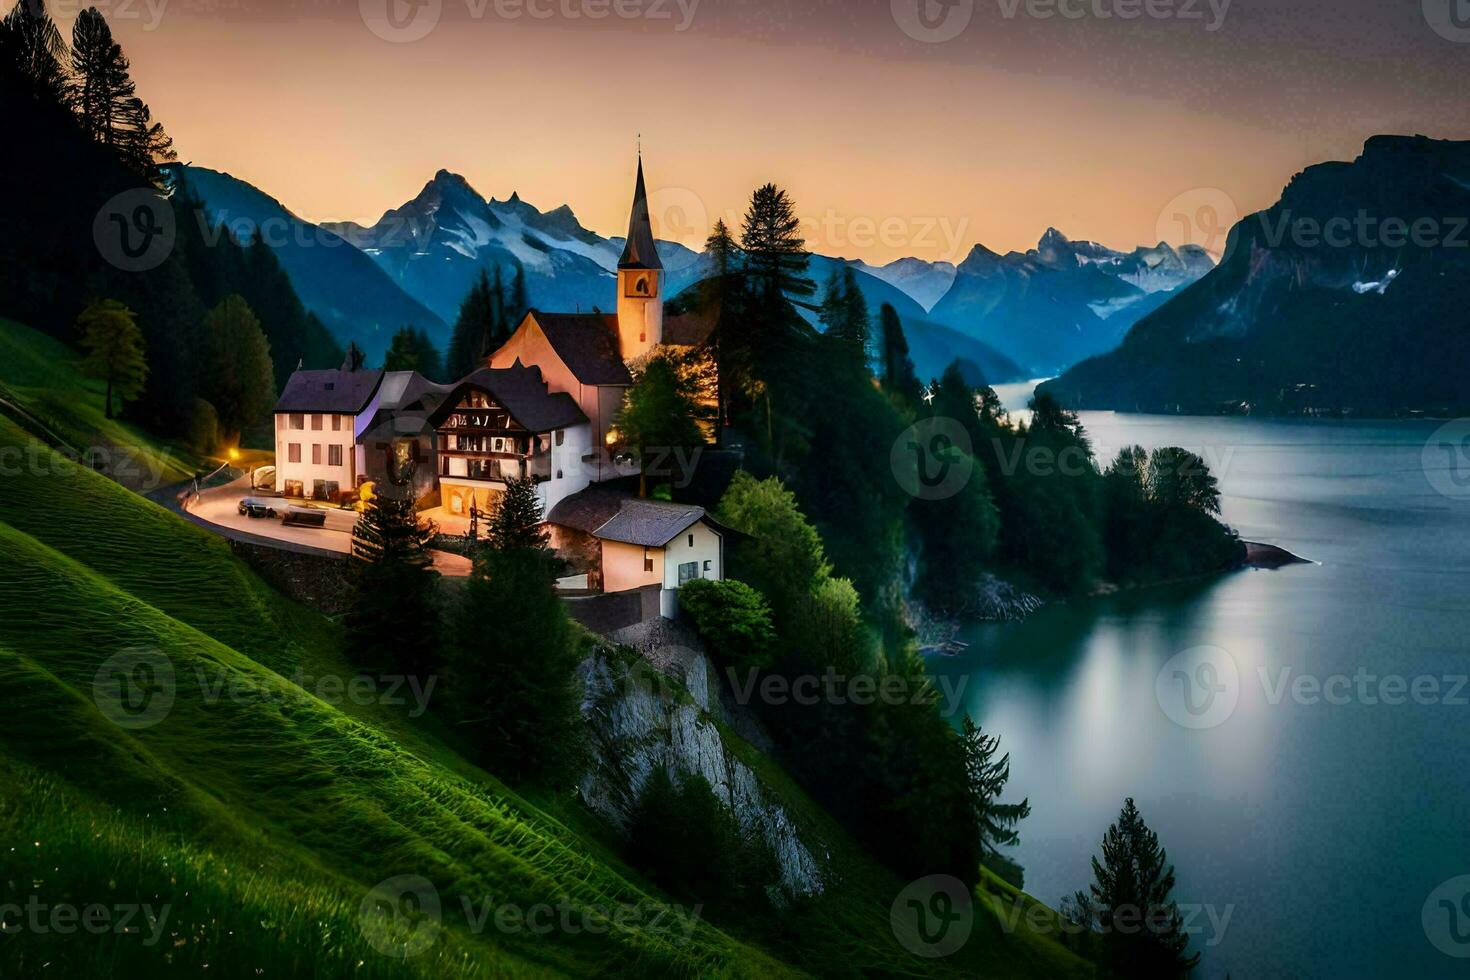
(1119, 133)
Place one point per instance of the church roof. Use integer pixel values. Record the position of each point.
(639, 252)
(588, 344)
(329, 392)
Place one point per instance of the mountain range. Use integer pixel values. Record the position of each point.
(1351, 294)
(1009, 317)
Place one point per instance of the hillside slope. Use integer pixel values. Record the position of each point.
(262, 807)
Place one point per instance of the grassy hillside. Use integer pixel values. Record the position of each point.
(42, 389)
(252, 822)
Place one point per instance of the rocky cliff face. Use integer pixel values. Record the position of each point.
(639, 718)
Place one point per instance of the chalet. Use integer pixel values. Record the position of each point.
(544, 406)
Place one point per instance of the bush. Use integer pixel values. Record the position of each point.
(732, 618)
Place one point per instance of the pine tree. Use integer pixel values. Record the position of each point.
(519, 303)
(771, 238)
(513, 661)
(988, 777)
(899, 376)
(115, 350)
(1128, 902)
(474, 329)
(239, 379)
(393, 610)
(844, 314)
(32, 45)
(412, 350)
(723, 252)
(105, 98)
(516, 523)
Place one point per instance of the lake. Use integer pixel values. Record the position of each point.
(1298, 738)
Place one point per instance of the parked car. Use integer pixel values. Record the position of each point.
(250, 507)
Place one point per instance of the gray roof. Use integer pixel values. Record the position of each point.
(640, 252)
(588, 344)
(522, 392)
(614, 516)
(333, 392)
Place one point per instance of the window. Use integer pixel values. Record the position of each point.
(336, 423)
(688, 571)
(293, 488)
(319, 490)
(691, 540)
(316, 454)
(647, 561)
(293, 452)
(561, 436)
(316, 423)
(707, 564)
(298, 421)
(334, 455)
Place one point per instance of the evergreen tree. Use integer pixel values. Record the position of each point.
(115, 350)
(500, 318)
(393, 614)
(657, 417)
(412, 350)
(1128, 902)
(520, 300)
(240, 381)
(105, 98)
(517, 523)
(470, 342)
(32, 46)
(899, 376)
(988, 777)
(513, 660)
(723, 252)
(771, 239)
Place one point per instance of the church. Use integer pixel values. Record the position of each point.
(545, 406)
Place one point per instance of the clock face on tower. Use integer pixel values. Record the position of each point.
(638, 285)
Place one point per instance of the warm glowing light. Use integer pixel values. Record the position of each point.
(612, 436)
(234, 455)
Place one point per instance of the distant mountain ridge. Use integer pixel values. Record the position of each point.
(1052, 306)
(1351, 294)
(342, 286)
(435, 245)
(1023, 314)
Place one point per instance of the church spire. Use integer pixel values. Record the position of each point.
(639, 252)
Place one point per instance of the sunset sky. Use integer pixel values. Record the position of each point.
(893, 143)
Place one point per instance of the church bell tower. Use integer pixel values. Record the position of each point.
(640, 282)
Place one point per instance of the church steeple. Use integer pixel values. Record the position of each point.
(639, 252)
(640, 281)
